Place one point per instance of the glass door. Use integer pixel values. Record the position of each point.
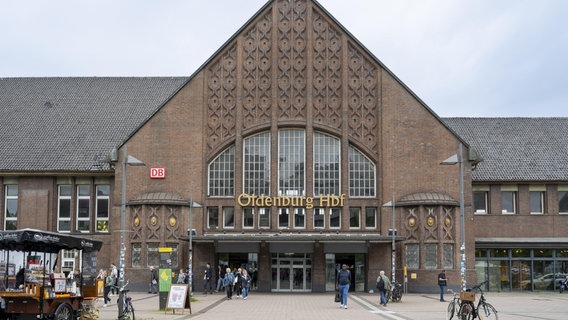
(290, 274)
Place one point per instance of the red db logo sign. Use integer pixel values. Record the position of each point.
(157, 172)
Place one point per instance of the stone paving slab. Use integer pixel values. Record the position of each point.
(314, 306)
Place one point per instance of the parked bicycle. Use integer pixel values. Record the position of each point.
(395, 295)
(483, 310)
(454, 305)
(124, 302)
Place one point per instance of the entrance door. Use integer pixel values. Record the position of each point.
(291, 274)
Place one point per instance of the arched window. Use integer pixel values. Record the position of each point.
(291, 161)
(362, 174)
(256, 162)
(222, 174)
(327, 164)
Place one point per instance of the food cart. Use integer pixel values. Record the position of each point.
(29, 287)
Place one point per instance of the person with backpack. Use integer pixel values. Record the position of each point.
(342, 284)
(228, 282)
(383, 285)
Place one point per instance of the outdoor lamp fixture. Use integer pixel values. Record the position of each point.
(190, 231)
(392, 233)
(458, 158)
(131, 161)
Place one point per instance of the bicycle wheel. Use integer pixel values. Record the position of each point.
(466, 311)
(129, 312)
(451, 310)
(486, 311)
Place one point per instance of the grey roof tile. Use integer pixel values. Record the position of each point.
(72, 124)
(516, 149)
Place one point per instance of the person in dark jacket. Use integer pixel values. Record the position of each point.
(442, 282)
(207, 276)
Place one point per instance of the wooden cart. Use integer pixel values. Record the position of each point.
(37, 293)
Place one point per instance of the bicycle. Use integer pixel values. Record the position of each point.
(484, 310)
(124, 302)
(395, 295)
(453, 306)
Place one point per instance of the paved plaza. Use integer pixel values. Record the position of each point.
(313, 306)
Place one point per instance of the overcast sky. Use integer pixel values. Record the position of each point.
(470, 58)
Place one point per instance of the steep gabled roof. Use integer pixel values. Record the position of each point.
(72, 124)
(516, 149)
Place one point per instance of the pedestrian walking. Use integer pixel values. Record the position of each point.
(207, 276)
(153, 285)
(383, 285)
(342, 284)
(228, 281)
(245, 283)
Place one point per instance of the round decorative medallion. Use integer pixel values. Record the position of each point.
(154, 220)
(448, 222)
(430, 221)
(172, 221)
(137, 221)
(411, 222)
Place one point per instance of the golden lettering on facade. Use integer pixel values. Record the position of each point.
(252, 200)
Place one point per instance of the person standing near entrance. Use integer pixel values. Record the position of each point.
(442, 282)
(207, 276)
(383, 284)
(342, 284)
(228, 281)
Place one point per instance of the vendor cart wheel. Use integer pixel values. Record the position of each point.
(64, 312)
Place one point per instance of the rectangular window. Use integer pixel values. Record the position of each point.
(83, 208)
(264, 218)
(64, 208)
(152, 254)
(354, 218)
(228, 217)
(480, 201)
(256, 168)
(537, 202)
(102, 209)
(248, 217)
(319, 218)
(11, 205)
(283, 217)
(68, 260)
(448, 255)
(413, 256)
(326, 164)
(299, 218)
(175, 254)
(335, 218)
(563, 201)
(431, 256)
(291, 162)
(508, 201)
(371, 218)
(213, 217)
(136, 254)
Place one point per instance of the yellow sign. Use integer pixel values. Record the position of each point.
(170, 250)
(252, 200)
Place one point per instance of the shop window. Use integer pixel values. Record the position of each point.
(361, 174)
(256, 167)
(537, 202)
(430, 256)
(248, 217)
(64, 208)
(335, 218)
(291, 162)
(228, 217)
(83, 208)
(102, 209)
(175, 253)
(319, 218)
(354, 218)
(326, 164)
(264, 218)
(222, 174)
(563, 201)
(136, 254)
(213, 217)
(11, 205)
(412, 255)
(283, 217)
(299, 218)
(480, 201)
